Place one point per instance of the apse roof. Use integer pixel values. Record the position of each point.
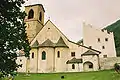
(35, 44)
(61, 43)
(47, 43)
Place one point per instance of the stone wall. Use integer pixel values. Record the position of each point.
(108, 63)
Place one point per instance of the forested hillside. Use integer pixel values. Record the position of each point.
(115, 28)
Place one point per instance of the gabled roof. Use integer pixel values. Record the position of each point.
(55, 27)
(61, 43)
(89, 52)
(74, 60)
(35, 44)
(47, 43)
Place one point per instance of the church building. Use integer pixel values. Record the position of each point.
(51, 51)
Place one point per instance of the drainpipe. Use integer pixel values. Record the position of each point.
(54, 60)
(98, 61)
(37, 59)
(78, 67)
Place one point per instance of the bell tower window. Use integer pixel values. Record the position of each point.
(40, 17)
(30, 14)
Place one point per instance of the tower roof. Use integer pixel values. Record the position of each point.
(36, 5)
(61, 43)
(47, 43)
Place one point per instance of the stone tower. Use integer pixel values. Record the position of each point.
(34, 20)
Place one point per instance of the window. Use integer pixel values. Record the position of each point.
(106, 39)
(104, 56)
(58, 54)
(20, 60)
(108, 32)
(73, 66)
(102, 30)
(40, 17)
(30, 14)
(98, 39)
(103, 47)
(73, 54)
(90, 47)
(43, 55)
(91, 66)
(32, 54)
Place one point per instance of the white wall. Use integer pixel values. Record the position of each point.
(90, 38)
(47, 65)
(21, 60)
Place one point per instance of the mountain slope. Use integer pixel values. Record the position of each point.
(115, 28)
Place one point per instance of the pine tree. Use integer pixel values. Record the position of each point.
(12, 35)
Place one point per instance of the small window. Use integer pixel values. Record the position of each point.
(73, 54)
(102, 30)
(103, 47)
(40, 17)
(43, 55)
(98, 39)
(91, 66)
(73, 66)
(106, 39)
(108, 32)
(32, 54)
(30, 14)
(90, 47)
(58, 54)
(20, 60)
(104, 56)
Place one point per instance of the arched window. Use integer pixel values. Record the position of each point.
(30, 14)
(73, 66)
(32, 54)
(43, 55)
(58, 54)
(40, 17)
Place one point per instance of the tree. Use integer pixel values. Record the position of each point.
(12, 35)
(117, 68)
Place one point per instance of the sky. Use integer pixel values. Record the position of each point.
(69, 15)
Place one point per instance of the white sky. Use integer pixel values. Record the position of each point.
(68, 15)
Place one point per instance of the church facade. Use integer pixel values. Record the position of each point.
(51, 51)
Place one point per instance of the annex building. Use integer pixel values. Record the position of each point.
(51, 51)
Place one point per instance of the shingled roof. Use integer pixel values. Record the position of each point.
(61, 43)
(74, 60)
(35, 45)
(47, 43)
(89, 52)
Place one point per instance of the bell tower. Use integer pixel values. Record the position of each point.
(34, 20)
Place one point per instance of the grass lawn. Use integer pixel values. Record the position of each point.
(98, 75)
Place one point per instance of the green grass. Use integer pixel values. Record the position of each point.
(98, 75)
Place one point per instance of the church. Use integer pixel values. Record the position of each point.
(51, 51)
